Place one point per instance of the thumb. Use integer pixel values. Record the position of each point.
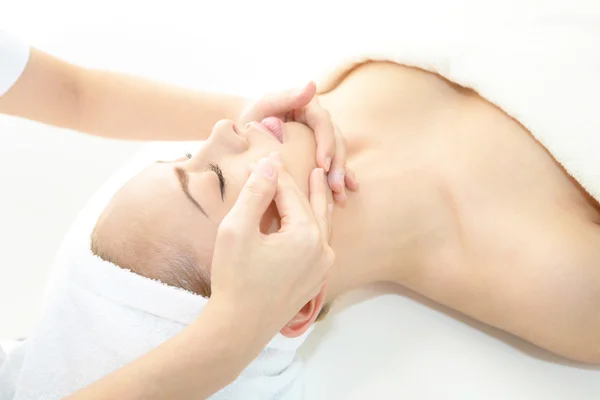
(284, 102)
(256, 196)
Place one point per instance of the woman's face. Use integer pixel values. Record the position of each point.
(183, 201)
(218, 171)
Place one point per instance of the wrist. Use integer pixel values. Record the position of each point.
(240, 337)
(237, 108)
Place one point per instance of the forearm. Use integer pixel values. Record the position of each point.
(196, 363)
(120, 106)
(113, 105)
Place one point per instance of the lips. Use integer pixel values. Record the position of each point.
(275, 126)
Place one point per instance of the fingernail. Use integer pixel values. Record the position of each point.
(265, 167)
(337, 176)
(327, 163)
(299, 91)
(330, 208)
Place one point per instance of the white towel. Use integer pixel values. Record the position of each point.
(537, 61)
(100, 317)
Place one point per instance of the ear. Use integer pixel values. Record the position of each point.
(305, 317)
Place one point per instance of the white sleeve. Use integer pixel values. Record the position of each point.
(13, 59)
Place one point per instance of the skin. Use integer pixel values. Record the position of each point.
(458, 202)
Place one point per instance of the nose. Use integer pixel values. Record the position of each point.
(225, 125)
(226, 134)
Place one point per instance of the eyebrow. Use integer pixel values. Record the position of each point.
(183, 178)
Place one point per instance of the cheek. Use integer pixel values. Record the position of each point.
(235, 182)
(299, 165)
(271, 220)
(270, 223)
(299, 155)
(236, 172)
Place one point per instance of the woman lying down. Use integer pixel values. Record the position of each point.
(458, 202)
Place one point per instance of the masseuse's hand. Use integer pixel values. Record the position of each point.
(271, 277)
(303, 106)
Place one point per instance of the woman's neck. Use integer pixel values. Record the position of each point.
(390, 229)
(400, 221)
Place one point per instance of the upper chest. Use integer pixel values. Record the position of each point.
(421, 131)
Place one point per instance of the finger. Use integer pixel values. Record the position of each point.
(351, 181)
(337, 174)
(286, 101)
(319, 201)
(256, 196)
(317, 118)
(340, 198)
(292, 205)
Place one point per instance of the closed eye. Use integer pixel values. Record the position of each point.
(222, 182)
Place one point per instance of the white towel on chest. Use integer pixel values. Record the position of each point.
(537, 61)
(100, 317)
